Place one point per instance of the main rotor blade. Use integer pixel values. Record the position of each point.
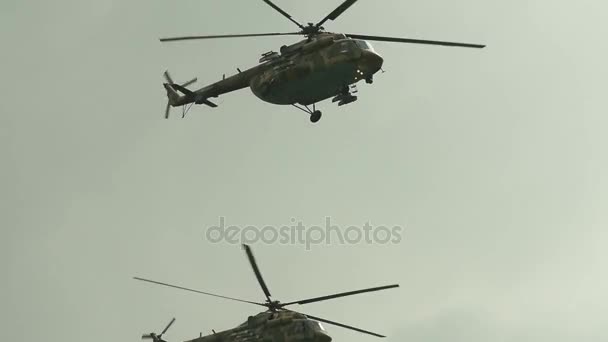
(228, 36)
(285, 14)
(337, 12)
(191, 290)
(413, 41)
(256, 270)
(167, 328)
(343, 294)
(342, 325)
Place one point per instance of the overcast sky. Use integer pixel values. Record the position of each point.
(493, 161)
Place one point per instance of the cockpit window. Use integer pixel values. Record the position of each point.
(364, 45)
(316, 326)
(345, 47)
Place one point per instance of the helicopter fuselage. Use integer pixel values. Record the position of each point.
(316, 71)
(272, 327)
(322, 66)
(304, 73)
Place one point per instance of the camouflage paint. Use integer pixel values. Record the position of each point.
(307, 72)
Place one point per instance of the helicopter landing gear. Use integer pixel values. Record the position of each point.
(315, 115)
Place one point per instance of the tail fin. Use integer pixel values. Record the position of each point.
(172, 95)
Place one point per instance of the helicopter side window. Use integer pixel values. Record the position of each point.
(316, 326)
(364, 45)
(342, 48)
(345, 47)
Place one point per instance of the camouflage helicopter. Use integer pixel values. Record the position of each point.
(322, 66)
(276, 324)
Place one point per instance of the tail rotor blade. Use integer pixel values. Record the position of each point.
(169, 325)
(189, 82)
(147, 337)
(168, 77)
(170, 81)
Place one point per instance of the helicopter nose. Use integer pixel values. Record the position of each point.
(322, 337)
(371, 62)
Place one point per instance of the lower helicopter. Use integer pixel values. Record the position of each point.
(276, 323)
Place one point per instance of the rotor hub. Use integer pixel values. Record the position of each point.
(311, 30)
(274, 305)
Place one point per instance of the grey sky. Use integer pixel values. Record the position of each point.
(493, 160)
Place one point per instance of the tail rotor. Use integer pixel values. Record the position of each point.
(172, 95)
(157, 338)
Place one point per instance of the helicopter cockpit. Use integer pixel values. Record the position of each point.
(316, 326)
(305, 325)
(307, 330)
(363, 44)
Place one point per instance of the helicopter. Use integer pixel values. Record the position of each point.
(322, 66)
(276, 323)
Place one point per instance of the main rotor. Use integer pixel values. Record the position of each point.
(275, 305)
(311, 30)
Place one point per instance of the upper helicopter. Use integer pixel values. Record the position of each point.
(322, 66)
(277, 323)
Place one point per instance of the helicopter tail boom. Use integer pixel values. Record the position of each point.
(191, 96)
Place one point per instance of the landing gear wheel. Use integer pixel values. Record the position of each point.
(315, 115)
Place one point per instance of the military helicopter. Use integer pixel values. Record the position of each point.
(322, 66)
(276, 324)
